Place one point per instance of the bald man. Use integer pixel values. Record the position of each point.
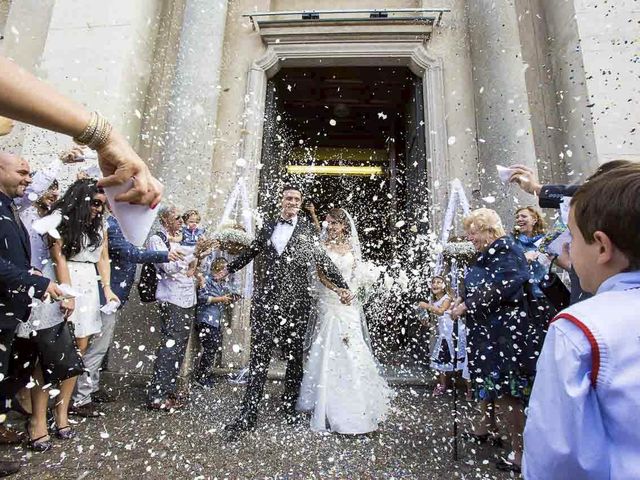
(19, 283)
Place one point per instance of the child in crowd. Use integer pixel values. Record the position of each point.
(191, 230)
(214, 297)
(443, 359)
(583, 417)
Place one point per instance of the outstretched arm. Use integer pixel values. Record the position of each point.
(122, 249)
(249, 253)
(23, 97)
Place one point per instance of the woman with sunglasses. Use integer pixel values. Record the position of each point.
(85, 247)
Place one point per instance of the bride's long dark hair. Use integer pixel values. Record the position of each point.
(75, 207)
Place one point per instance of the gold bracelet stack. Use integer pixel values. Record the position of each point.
(96, 133)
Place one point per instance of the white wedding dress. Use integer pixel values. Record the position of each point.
(342, 386)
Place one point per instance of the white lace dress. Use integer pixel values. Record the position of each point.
(84, 279)
(342, 386)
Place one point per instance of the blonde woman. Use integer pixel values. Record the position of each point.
(500, 364)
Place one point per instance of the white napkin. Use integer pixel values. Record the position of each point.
(565, 205)
(110, 307)
(48, 224)
(135, 220)
(556, 247)
(504, 173)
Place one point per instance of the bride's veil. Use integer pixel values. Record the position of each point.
(356, 249)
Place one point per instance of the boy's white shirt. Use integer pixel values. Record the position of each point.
(568, 433)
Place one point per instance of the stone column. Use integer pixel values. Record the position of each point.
(190, 124)
(502, 109)
(25, 29)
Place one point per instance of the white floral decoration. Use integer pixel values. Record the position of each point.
(459, 249)
(233, 235)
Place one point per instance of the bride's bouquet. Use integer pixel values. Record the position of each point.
(365, 276)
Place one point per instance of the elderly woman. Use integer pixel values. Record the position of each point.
(500, 364)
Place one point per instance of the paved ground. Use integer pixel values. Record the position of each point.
(131, 442)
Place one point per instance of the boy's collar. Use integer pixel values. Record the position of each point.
(620, 281)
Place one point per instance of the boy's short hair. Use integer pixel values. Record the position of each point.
(610, 203)
(218, 264)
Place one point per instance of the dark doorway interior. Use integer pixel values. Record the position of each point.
(362, 117)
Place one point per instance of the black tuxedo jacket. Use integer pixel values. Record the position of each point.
(16, 283)
(287, 275)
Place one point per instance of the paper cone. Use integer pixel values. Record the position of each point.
(135, 220)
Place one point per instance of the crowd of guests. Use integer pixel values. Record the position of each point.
(25, 355)
(565, 385)
(534, 366)
(520, 359)
(61, 343)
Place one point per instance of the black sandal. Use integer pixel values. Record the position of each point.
(37, 444)
(480, 439)
(64, 433)
(505, 466)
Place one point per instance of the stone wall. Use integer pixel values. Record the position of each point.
(608, 35)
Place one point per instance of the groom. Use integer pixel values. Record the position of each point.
(282, 304)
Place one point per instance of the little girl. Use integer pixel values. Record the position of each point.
(442, 358)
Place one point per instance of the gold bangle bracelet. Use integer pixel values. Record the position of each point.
(96, 133)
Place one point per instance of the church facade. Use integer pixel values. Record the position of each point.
(415, 92)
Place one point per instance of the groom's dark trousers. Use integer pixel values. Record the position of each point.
(281, 307)
(278, 322)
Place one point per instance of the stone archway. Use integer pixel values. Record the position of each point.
(314, 49)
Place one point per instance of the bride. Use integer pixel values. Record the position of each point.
(342, 386)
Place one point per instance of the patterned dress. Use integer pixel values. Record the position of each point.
(502, 354)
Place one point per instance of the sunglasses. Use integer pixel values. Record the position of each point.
(97, 203)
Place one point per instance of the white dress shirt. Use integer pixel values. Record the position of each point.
(576, 431)
(282, 234)
(173, 285)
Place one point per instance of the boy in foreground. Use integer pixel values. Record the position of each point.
(583, 419)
